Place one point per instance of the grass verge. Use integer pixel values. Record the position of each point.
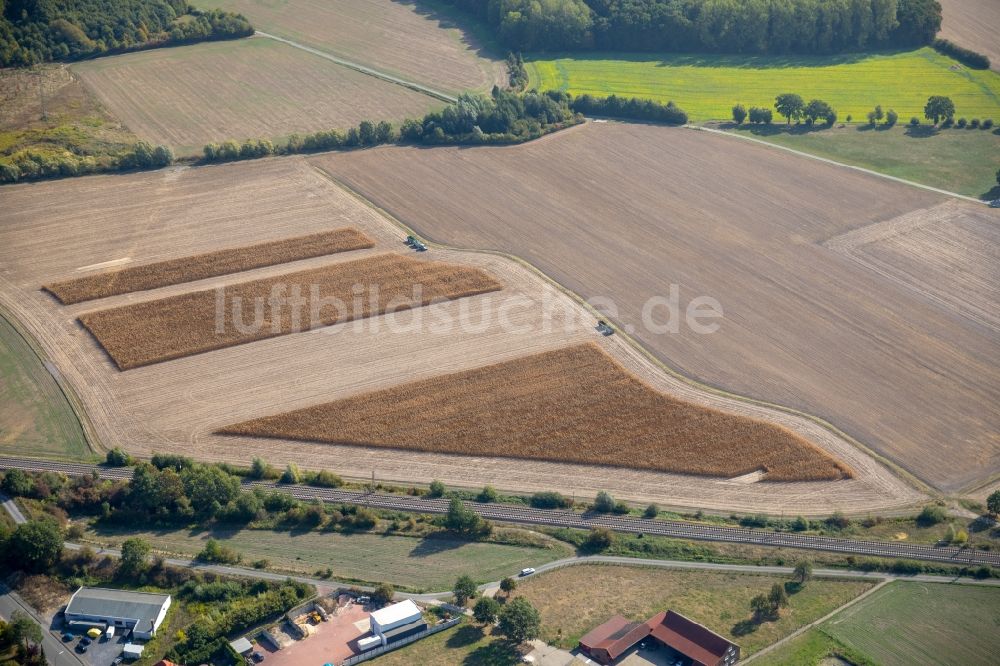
(430, 563)
(573, 600)
(925, 623)
(35, 418)
(959, 160)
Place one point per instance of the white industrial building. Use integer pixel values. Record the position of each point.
(140, 612)
(393, 623)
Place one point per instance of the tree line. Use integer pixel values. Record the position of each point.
(505, 117)
(37, 165)
(33, 31)
(967, 57)
(716, 26)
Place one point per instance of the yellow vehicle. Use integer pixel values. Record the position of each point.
(94, 633)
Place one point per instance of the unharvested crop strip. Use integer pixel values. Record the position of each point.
(570, 405)
(209, 264)
(153, 331)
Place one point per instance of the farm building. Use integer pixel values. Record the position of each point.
(139, 611)
(607, 643)
(394, 623)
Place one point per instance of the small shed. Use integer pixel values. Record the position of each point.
(131, 651)
(241, 646)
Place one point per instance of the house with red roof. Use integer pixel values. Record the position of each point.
(699, 645)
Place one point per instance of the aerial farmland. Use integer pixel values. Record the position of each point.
(548, 318)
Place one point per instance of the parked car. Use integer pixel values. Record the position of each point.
(81, 647)
(85, 641)
(527, 572)
(118, 661)
(258, 657)
(68, 637)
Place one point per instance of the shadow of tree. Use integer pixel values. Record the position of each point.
(465, 635)
(432, 545)
(991, 194)
(474, 34)
(744, 627)
(497, 653)
(921, 131)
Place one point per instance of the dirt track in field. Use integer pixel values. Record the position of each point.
(974, 24)
(624, 211)
(397, 37)
(187, 96)
(209, 264)
(176, 406)
(569, 405)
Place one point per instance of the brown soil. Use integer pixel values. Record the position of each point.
(187, 96)
(154, 331)
(408, 39)
(210, 264)
(973, 24)
(622, 212)
(569, 405)
(48, 234)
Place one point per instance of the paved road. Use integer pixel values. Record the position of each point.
(524, 515)
(13, 510)
(56, 652)
(418, 87)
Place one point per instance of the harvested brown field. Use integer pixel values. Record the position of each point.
(154, 331)
(48, 234)
(622, 212)
(974, 24)
(187, 96)
(947, 253)
(569, 405)
(404, 38)
(209, 264)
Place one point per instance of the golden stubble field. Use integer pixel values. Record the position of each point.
(52, 233)
(623, 212)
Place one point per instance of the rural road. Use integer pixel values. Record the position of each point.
(56, 652)
(418, 87)
(557, 564)
(524, 515)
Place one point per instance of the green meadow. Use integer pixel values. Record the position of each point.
(707, 86)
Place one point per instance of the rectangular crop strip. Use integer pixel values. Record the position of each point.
(153, 331)
(570, 405)
(209, 264)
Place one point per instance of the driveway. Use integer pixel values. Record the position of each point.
(58, 653)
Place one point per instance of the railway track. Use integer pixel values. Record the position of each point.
(561, 518)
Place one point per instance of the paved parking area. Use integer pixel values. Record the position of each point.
(331, 642)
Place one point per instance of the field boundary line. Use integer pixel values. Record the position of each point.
(894, 468)
(870, 172)
(74, 402)
(412, 85)
(802, 630)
